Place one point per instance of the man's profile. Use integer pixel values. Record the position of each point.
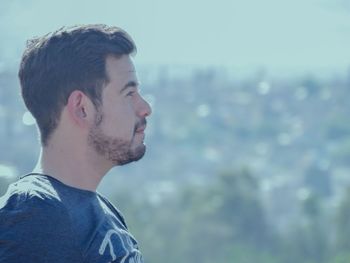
(81, 86)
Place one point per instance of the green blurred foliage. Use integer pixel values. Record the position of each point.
(343, 225)
(203, 225)
(226, 222)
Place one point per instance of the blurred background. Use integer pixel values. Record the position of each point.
(249, 143)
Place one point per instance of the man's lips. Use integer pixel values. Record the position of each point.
(141, 126)
(140, 129)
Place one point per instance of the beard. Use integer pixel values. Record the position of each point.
(118, 151)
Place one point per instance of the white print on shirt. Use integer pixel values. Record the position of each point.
(126, 243)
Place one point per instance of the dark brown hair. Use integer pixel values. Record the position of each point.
(68, 59)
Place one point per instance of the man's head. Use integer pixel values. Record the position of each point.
(65, 69)
(117, 132)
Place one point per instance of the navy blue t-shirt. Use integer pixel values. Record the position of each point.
(44, 220)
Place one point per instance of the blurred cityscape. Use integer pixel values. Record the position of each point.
(252, 169)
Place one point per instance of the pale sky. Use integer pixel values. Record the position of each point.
(277, 34)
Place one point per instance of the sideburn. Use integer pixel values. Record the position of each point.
(98, 117)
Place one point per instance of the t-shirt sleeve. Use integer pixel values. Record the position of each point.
(36, 230)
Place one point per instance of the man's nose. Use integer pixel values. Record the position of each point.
(144, 108)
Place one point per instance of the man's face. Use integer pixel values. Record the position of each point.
(118, 130)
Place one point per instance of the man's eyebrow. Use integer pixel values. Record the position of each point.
(130, 84)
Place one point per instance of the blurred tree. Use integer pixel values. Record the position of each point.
(311, 84)
(208, 224)
(7, 176)
(341, 258)
(226, 215)
(342, 223)
(308, 240)
(337, 128)
(318, 180)
(4, 183)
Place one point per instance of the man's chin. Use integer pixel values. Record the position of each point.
(133, 156)
(139, 152)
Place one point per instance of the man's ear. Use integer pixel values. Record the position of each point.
(80, 108)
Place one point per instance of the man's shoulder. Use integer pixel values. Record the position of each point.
(31, 194)
(113, 209)
(33, 219)
(30, 210)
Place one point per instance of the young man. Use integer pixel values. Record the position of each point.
(80, 85)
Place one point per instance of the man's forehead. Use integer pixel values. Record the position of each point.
(122, 64)
(122, 67)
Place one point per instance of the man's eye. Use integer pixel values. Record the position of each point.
(130, 93)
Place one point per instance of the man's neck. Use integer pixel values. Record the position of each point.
(71, 167)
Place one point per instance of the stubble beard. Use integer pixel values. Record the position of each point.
(116, 150)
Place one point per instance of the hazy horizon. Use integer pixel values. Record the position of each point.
(280, 36)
